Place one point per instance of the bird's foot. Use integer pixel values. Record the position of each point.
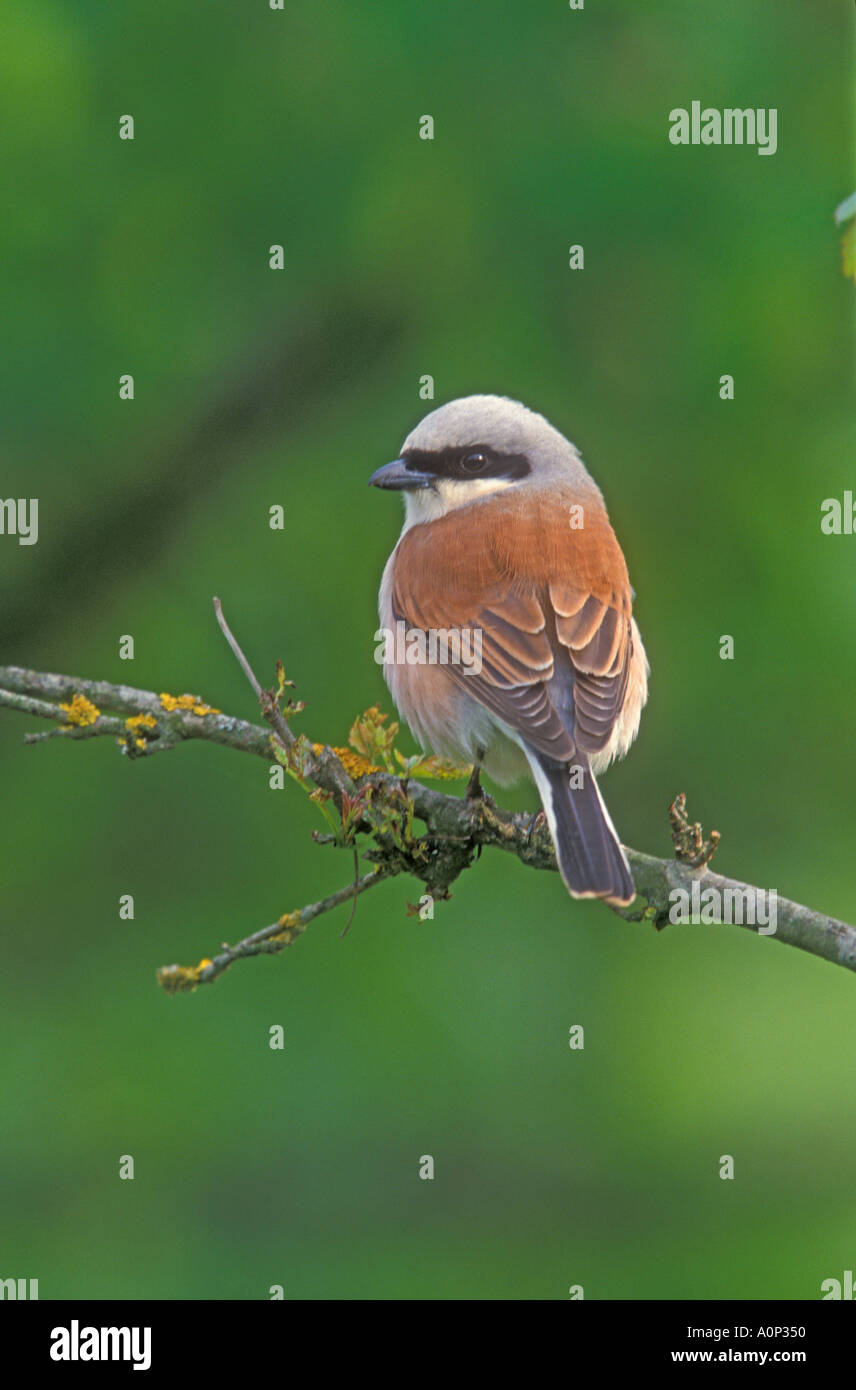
(475, 791)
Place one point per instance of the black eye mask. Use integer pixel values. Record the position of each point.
(465, 464)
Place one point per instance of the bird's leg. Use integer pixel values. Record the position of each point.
(475, 790)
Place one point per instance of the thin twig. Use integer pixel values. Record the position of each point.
(356, 890)
(266, 698)
(242, 660)
(177, 979)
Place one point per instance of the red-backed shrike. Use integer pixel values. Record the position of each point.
(506, 538)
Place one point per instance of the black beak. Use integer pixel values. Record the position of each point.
(399, 478)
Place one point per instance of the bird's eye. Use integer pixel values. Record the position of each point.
(474, 462)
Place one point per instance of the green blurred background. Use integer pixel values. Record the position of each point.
(403, 257)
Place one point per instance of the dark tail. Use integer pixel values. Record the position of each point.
(590, 856)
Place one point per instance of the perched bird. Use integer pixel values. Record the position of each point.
(506, 537)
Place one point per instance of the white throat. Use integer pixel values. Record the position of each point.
(429, 504)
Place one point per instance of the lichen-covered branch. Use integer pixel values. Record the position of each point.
(179, 979)
(382, 806)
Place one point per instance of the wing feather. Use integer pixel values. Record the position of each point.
(555, 653)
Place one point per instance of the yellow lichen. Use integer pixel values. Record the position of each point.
(435, 769)
(141, 721)
(194, 703)
(441, 770)
(81, 712)
(292, 925)
(353, 763)
(135, 725)
(178, 979)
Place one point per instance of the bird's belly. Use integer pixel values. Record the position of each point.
(444, 718)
